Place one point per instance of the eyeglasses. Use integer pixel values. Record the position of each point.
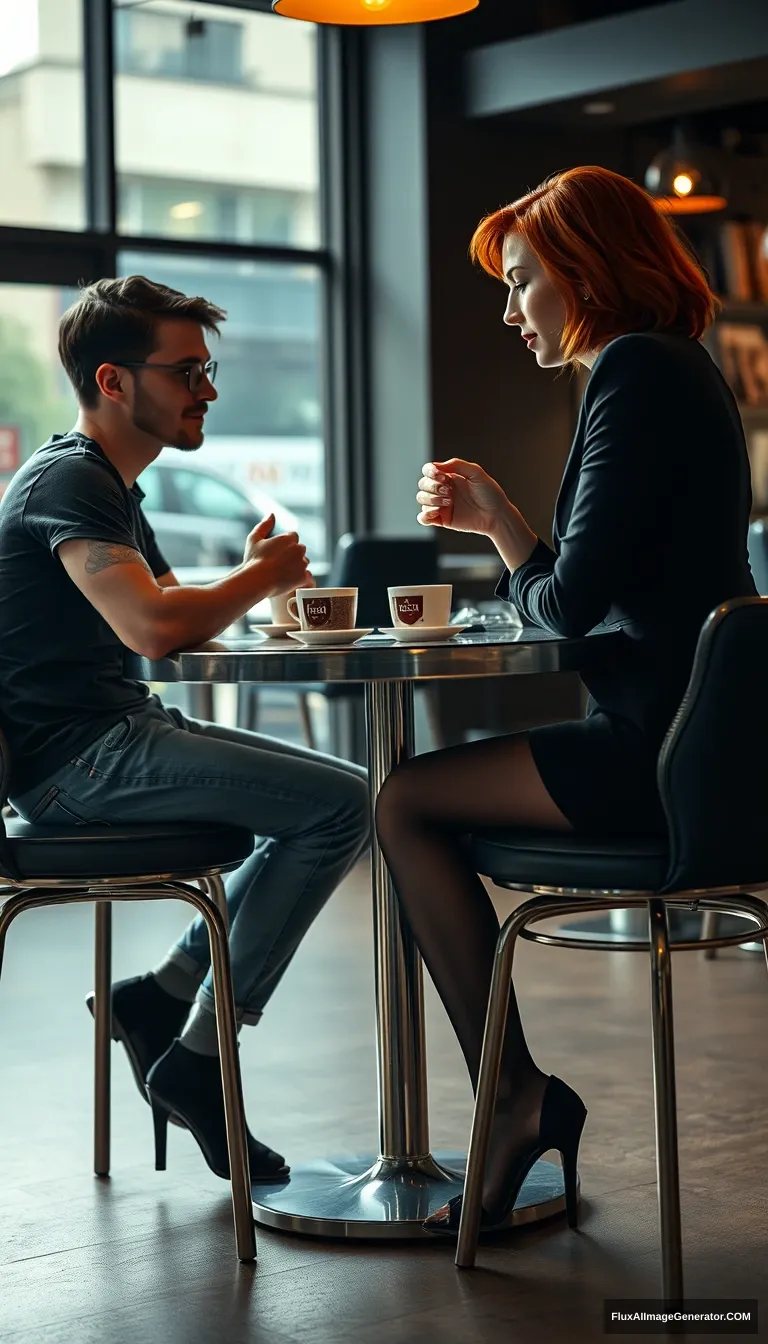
(194, 374)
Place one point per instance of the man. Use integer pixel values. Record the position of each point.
(81, 576)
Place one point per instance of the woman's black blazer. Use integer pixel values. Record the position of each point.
(651, 522)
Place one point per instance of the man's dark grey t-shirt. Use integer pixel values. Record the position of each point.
(62, 682)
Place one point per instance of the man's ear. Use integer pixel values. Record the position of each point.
(109, 381)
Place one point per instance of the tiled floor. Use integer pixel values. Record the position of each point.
(148, 1258)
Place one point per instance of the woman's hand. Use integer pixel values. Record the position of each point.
(461, 496)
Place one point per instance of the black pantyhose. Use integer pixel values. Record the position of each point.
(422, 811)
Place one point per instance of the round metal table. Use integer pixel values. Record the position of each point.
(388, 1194)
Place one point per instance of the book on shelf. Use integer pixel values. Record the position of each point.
(741, 261)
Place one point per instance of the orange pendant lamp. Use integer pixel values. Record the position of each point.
(371, 11)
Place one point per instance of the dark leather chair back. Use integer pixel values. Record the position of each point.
(7, 866)
(374, 564)
(711, 772)
(757, 543)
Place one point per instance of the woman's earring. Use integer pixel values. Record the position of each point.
(586, 296)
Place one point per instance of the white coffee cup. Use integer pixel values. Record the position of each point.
(421, 604)
(324, 608)
(280, 613)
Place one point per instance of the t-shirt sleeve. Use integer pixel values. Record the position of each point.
(77, 499)
(155, 558)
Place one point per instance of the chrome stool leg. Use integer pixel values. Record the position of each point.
(709, 930)
(234, 1110)
(102, 1010)
(487, 1087)
(668, 1173)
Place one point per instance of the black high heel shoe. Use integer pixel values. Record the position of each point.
(560, 1126)
(145, 1020)
(189, 1086)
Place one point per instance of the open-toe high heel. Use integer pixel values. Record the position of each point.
(563, 1114)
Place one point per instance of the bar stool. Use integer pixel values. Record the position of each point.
(50, 865)
(715, 853)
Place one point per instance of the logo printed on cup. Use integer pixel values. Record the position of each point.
(317, 611)
(410, 609)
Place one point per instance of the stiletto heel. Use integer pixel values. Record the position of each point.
(569, 1157)
(160, 1117)
(560, 1127)
(189, 1086)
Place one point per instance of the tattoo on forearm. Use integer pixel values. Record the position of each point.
(103, 554)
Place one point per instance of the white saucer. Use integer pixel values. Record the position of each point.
(422, 634)
(327, 638)
(274, 631)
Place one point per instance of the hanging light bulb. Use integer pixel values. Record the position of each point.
(678, 182)
(372, 11)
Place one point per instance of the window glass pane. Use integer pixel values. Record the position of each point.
(199, 493)
(41, 113)
(36, 399)
(216, 123)
(264, 433)
(152, 486)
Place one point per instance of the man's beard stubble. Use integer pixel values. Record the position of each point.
(148, 417)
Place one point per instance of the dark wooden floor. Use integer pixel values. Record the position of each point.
(147, 1258)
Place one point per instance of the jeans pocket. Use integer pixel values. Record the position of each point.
(56, 808)
(102, 757)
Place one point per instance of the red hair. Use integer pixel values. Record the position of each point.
(595, 230)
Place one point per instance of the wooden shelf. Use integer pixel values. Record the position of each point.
(755, 309)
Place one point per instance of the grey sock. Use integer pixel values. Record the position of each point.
(178, 975)
(199, 1034)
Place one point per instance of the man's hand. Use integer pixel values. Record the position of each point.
(282, 560)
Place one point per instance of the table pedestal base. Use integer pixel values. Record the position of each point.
(361, 1197)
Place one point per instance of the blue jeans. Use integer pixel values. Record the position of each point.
(309, 812)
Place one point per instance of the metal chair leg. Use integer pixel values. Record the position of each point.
(487, 1086)
(668, 1172)
(102, 1011)
(709, 930)
(234, 1110)
(306, 720)
(218, 894)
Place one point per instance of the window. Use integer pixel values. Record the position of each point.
(41, 114)
(151, 482)
(216, 123)
(204, 496)
(177, 46)
(264, 433)
(36, 399)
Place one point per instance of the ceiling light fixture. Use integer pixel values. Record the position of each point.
(679, 181)
(372, 11)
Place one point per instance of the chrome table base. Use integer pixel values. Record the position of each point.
(358, 1198)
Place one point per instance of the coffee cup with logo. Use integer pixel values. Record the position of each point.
(279, 609)
(421, 604)
(324, 608)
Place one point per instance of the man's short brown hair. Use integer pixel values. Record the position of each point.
(116, 320)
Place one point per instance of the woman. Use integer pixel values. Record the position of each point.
(650, 534)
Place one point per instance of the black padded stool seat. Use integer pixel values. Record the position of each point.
(557, 859)
(123, 851)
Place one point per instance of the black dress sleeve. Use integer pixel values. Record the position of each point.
(623, 496)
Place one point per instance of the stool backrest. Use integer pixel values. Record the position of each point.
(7, 866)
(757, 547)
(374, 564)
(712, 771)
